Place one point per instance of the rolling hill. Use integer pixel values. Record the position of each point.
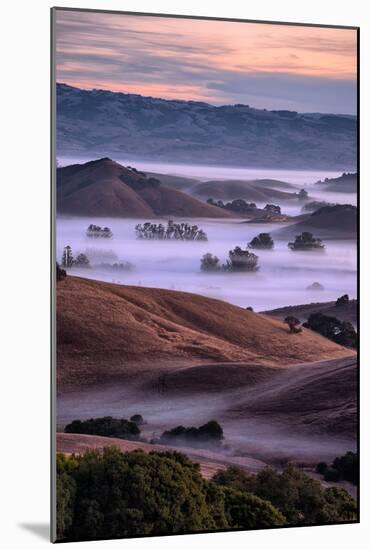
(257, 191)
(107, 332)
(105, 188)
(100, 122)
(346, 183)
(329, 222)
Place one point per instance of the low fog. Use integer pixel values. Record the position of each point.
(205, 173)
(282, 279)
(270, 439)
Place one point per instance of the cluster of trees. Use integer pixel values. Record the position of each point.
(116, 266)
(306, 241)
(141, 182)
(96, 231)
(238, 260)
(302, 500)
(107, 494)
(239, 206)
(210, 433)
(262, 241)
(342, 468)
(341, 332)
(106, 426)
(177, 231)
(68, 260)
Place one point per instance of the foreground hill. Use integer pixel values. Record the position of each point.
(346, 312)
(100, 122)
(338, 221)
(107, 332)
(105, 188)
(257, 191)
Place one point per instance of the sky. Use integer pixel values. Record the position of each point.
(306, 69)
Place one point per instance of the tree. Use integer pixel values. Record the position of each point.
(67, 259)
(210, 433)
(341, 332)
(209, 262)
(241, 260)
(306, 241)
(247, 511)
(340, 505)
(82, 261)
(347, 467)
(60, 273)
(343, 300)
(96, 231)
(263, 240)
(302, 195)
(293, 323)
(137, 419)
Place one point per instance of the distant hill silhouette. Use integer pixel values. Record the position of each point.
(258, 190)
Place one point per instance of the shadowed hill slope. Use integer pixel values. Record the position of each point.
(338, 221)
(236, 189)
(347, 312)
(106, 331)
(105, 188)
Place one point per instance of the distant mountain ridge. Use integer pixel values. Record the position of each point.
(100, 122)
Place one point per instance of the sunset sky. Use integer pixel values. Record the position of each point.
(306, 69)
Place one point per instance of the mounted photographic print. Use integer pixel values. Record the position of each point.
(204, 260)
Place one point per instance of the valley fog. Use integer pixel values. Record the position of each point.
(282, 278)
(204, 172)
